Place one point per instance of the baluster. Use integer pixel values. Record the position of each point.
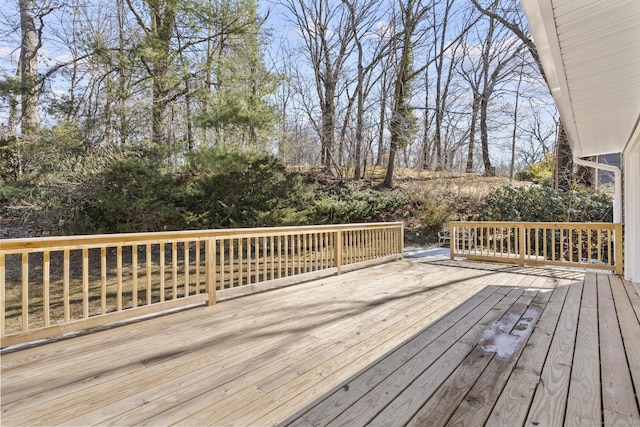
(46, 302)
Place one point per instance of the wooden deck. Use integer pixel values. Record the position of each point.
(412, 342)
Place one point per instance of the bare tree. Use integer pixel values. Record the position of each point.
(514, 131)
(470, 68)
(498, 54)
(410, 22)
(385, 87)
(31, 26)
(411, 13)
(443, 76)
(510, 14)
(327, 39)
(538, 137)
(363, 16)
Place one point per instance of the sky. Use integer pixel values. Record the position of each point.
(280, 26)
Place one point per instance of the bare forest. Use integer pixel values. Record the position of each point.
(98, 96)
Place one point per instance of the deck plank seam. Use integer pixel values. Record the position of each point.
(625, 343)
(533, 300)
(382, 358)
(346, 350)
(511, 365)
(490, 315)
(537, 369)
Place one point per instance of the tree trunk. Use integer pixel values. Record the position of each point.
(28, 67)
(328, 126)
(357, 174)
(383, 108)
(163, 15)
(426, 143)
(562, 173)
(472, 132)
(489, 170)
(563, 165)
(515, 125)
(388, 179)
(399, 127)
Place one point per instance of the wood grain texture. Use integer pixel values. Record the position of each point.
(629, 326)
(476, 406)
(584, 406)
(512, 405)
(420, 387)
(492, 241)
(550, 399)
(355, 388)
(223, 271)
(501, 341)
(374, 346)
(633, 295)
(617, 388)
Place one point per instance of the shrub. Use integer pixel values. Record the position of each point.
(134, 194)
(349, 206)
(433, 218)
(243, 189)
(544, 204)
(538, 173)
(524, 175)
(223, 189)
(48, 178)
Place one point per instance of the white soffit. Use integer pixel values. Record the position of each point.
(590, 51)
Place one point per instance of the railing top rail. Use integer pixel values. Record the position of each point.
(539, 223)
(88, 241)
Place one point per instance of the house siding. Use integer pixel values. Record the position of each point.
(631, 182)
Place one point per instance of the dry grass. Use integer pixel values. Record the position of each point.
(435, 197)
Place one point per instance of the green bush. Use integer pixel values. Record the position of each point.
(524, 175)
(47, 179)
(539, 173)
(433, 218)
(134, 194)
(223, 189)
(243, 189)
(349, 206)
(544, 204)
(137, 191)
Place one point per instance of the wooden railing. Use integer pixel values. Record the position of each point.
(580, 245)
(50, 286)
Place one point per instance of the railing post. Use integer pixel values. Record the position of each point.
(452, 239)
(210, 265)
(619, 259)
(522, 244)
(401, 241)
(338, 251)
(2, 294)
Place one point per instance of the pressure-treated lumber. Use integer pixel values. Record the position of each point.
(416, 341)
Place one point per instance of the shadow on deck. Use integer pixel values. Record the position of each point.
(423, 341)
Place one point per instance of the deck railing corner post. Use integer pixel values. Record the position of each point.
(452, 239)
(401, 239)
(618, 255)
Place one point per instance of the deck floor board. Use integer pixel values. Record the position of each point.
(416, 341)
